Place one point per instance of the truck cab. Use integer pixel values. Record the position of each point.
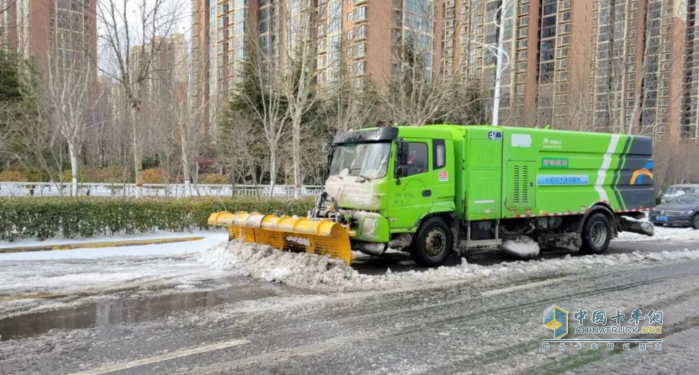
(385, 182)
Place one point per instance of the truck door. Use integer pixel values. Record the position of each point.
(412, 197)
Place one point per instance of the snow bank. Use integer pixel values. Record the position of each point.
(663, 234)
(314, 272)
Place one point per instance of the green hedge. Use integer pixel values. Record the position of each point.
(86, 217)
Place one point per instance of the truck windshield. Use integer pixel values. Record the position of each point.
(369, 160)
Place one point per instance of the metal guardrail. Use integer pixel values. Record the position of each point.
(49, 189)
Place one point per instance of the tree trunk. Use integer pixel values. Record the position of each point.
(272, 170)
(137, 157)
(296, 156)
(73, 168)
(185, 166)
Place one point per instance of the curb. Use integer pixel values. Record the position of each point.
(90, 245)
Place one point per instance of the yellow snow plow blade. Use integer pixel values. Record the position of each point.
(317, 236)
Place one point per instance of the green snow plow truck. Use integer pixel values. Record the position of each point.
(439, 189)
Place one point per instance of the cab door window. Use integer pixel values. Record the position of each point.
(417, 159)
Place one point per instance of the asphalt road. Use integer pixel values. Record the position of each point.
(257, 327)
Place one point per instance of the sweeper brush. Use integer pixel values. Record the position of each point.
(317, 236)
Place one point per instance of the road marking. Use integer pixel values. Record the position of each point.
(162, 357)
(524, 286)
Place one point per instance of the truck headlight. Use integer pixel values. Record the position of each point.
(369, 226)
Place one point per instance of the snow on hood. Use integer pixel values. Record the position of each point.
(321, 273)
(351, 193)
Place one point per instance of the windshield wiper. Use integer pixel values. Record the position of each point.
(365, 178)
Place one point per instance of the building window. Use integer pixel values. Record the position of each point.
(546, 74)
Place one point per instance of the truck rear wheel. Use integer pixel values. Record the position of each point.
(432, 244)
(597, 233)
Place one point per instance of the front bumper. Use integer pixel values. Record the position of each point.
(680, 220)
(369, 227)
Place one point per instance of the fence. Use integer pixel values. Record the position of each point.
(49, 189)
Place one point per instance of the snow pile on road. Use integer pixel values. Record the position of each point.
(319, 273)
(523, 247)
(267, 263)
(663, 234)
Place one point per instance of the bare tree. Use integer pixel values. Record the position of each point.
(5, 5)
(70, 97)
(300, 74)
(187, 111)
(130, 48)
(417, 95)
(261, 97)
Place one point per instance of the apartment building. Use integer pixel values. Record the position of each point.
(606, 65)
(685, 23)
(168, 68)
(35, 28)
(358, 39)
(539, 60)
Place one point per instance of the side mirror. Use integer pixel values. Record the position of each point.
(400, 170)
(400, 149)
(327, 148)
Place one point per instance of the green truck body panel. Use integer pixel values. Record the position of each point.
(493, 173)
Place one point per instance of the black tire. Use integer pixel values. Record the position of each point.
(432, 244)
(596, 235)
(695, 221)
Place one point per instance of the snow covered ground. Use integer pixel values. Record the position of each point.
(664, 234)
(36, 281)
(324, 274)
(210, 238)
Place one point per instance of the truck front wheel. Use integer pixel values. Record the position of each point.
(432, 244)
(596, 234)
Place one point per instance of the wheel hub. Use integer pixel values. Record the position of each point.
(436, 243)
(598, 234)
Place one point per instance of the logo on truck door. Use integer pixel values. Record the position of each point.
(443, 176)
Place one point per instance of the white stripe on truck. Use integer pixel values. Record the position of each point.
(602, 173)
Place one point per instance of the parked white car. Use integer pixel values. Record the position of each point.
(675, 191)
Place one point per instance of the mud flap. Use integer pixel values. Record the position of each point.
(316, 236)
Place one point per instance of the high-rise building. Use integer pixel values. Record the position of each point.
(350, 38)
(168, 68)
(605, 65)
(36, 29)
(685, 23)
(540, 62)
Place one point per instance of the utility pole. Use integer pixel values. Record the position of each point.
(499, 69)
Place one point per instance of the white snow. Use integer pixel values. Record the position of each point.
(81, 276)
(663, 234)
(211, 238)
(325, 274)
(523, 247)
(642, 225)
